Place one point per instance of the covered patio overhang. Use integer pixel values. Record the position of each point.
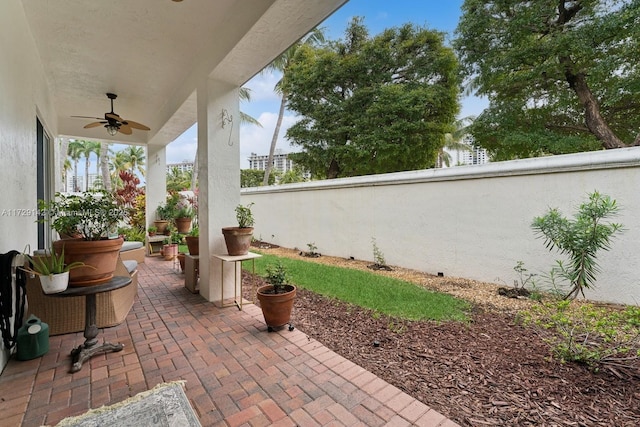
(171, 64)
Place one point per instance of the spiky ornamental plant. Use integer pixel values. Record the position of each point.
(51, 264)
(580, 239)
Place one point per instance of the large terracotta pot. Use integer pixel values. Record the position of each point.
(183, 224)
(276, 308)
(193, 243)
(101, 254)
(238, 240)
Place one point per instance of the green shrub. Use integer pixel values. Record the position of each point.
(586, 333)
(580, 239)
(132, 234)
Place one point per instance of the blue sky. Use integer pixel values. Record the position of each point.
(440, 15)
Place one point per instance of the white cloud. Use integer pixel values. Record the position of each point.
(262, 87)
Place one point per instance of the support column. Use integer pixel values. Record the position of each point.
(218, 180)
(156, 180)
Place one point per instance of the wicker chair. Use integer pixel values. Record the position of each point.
(133, 251)
(67, 315)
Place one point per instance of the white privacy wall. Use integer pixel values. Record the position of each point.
(467, 221)
(24, 95)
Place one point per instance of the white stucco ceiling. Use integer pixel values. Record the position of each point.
(153, 53)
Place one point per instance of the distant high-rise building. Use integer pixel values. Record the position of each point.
(281, 162)
(473, 156)
(73, 185)
(184, 166)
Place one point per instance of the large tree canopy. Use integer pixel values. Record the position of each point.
(372, 105)
(561, 76)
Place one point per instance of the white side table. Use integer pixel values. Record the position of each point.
(234, 259)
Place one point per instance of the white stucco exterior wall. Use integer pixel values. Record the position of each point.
(25, 96)
(470, 221)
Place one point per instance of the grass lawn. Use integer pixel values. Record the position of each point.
(382, 294)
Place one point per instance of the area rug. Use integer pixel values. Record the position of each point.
(165, 405)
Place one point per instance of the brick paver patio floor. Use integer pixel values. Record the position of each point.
(236, 373)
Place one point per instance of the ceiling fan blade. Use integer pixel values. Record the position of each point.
(125, 129)
(88, 117)
(113, 116)
(135, 125)
(94, 124)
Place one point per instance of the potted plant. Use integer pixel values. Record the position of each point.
(93, 215)
(238, 239)
(193, 240)
(152, 230)
(164, 214)
(52, 271)
(170, 248)
(276, 298)
(183, 218)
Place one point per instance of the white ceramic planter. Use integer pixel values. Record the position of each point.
(54, 283)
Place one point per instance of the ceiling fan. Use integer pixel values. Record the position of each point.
(113, 122)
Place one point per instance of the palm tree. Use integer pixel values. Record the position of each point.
(66, 167)
(88, 147)
(74, 151)
(453, 140)
(64, 159)
(135, 158)
(245, 95)
(178, 180)
(118, 163)
(281, 64)
(104, 165)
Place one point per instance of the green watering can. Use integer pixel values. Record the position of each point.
(33, 339)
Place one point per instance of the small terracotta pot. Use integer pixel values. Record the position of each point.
(170, 251)
(276, 308)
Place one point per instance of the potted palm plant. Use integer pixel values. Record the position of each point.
(52, 271)
(276, 298)
(183, 219)
(238, 239)
(93, 215)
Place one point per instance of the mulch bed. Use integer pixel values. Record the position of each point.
(487, 372)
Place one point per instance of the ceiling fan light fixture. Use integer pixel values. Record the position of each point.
(113, 122)
(112, 130)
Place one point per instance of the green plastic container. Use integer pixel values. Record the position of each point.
(33, 339)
